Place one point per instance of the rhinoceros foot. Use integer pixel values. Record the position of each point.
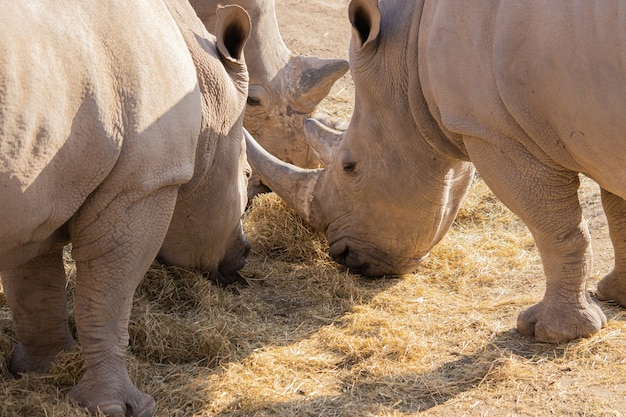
(24, 362)
(560, 322)
(613, 288)
(112, 398)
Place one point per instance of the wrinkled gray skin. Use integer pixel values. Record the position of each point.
(508, 86)
(120, 132)
(285, 89)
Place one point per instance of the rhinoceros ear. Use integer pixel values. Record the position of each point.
(232, 32)
(365, 19)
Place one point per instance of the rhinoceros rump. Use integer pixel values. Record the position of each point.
(531, 92)
(285, 89)
(120, 126)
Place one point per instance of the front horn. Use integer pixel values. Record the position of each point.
(293, 184)
(310, 79)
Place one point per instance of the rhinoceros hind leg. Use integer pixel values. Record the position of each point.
(613, 286)
(37, 298)
(115, 239)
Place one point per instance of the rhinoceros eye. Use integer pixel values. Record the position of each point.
(348, 160)
(253, 101)
(257, 95)
(349, 167)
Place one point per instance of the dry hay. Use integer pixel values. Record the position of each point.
(306, 338)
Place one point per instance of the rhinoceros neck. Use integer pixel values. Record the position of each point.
(424, 111)
(212, 75)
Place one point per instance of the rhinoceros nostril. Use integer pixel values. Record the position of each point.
(342, 257)
(350, 259)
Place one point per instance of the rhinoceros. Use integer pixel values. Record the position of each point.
(285, 89)
(121, 131)
(530, 93)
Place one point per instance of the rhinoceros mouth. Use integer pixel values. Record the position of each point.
(368, 261)
(233, 262)
(226, 272)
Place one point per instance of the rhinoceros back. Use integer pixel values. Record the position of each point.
(549, 74)
(89, 99)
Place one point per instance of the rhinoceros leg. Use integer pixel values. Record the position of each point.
(37, 298)
(545, 198)
(113, 249)
(613, 286)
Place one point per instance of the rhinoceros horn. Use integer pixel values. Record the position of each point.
(322, 139)
(293, 184)
(309, 79)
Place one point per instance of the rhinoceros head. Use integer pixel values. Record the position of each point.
(285, 89)
(206, 233)
(385, 195)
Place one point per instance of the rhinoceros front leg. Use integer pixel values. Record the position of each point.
(613, 286)
(113, 249)
(36, 296)
(545, 198)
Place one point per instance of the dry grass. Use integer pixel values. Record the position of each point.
(306, 338)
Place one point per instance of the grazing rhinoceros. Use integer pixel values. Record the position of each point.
(115, 117)
(531, 92)
(284, 89)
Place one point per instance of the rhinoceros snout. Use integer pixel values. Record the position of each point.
(369, 261)
(349, 257)
(227, 272)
